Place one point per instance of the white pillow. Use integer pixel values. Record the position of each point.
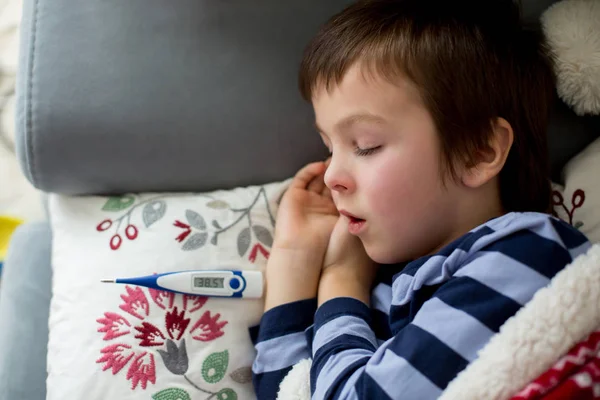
(578, 202)
(112, 341)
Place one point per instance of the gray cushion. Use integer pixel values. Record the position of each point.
(24, 309)
(148, 95)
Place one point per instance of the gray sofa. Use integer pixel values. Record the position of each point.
(144, 95)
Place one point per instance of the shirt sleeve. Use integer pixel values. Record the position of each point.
(280, 343)
(430, 346)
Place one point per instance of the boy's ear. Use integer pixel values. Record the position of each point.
(490, 160)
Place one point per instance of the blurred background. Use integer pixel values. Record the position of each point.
(19, 201)
(17, 197)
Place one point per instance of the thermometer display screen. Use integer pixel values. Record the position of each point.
(202, 282)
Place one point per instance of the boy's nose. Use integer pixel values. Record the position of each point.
(336, 179)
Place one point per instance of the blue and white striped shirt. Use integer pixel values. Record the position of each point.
(429, 318)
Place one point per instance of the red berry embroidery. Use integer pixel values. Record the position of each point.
(104, 225)
(131, 232)
(115, 242)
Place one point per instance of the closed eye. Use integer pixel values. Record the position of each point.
(365, 152)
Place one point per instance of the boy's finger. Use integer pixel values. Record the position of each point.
(307, 174)
(317, 184)
(326, 193)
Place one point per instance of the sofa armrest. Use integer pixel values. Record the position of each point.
(24, 307)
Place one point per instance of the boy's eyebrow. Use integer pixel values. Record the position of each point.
(346, 122)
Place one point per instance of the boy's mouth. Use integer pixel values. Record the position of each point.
(355, 224)
(351, 217)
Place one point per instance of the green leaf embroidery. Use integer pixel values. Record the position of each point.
(215, 366)
(217, 204)
(118, 203)
(226, 394)
(172, 394)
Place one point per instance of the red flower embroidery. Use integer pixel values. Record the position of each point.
(178, 311)
(135, 299)
(149, 335)
(112, 324)
(258, 247)
(185, 233)
(176, 323)
(159, 296)
(197, 302)
(114, 357)
(209, 326)
(142, 370)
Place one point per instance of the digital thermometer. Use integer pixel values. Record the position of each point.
(217, 283)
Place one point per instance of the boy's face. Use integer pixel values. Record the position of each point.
(386, 167)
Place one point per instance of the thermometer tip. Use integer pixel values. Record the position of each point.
(108, 280)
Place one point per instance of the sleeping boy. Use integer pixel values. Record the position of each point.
(398, 259)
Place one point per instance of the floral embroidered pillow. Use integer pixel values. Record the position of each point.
(578, 202)
(112, 341)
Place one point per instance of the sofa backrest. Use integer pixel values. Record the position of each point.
(147, 95)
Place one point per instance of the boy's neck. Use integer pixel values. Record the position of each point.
(476, 208)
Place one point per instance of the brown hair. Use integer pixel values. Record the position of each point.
(473, 61)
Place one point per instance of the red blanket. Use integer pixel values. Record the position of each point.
(575, 376)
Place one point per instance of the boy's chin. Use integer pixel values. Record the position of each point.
(379, 253)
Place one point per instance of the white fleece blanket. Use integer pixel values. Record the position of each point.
(558, 317)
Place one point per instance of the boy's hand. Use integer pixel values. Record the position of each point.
(305, 219)
(307, 214)
(347, 269)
